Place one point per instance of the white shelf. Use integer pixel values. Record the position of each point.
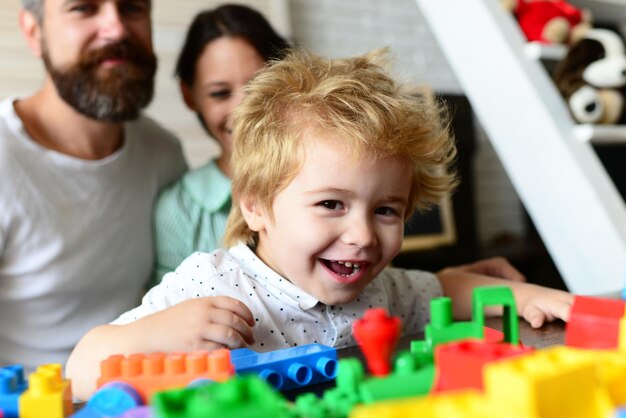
(538, 51)
(600, 134)
(567, 192)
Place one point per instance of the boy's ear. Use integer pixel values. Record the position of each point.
(31, 30)
(187, 96)
(253, 213)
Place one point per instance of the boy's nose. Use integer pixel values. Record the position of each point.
(361, 233)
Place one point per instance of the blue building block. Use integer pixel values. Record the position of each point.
(12, 385)
(288, 368)
(620, 413)
(139, 412)
(111, 400)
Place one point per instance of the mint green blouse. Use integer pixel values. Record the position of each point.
(189, 216)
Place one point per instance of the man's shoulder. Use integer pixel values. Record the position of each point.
(9, 128)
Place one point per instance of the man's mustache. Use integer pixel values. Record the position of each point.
(123, 50)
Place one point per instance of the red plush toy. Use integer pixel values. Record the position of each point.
(550, 21)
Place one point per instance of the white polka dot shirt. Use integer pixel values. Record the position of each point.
(285, 315)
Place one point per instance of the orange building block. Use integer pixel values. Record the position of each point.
(459, 365)
(594, 323)
(159, 371)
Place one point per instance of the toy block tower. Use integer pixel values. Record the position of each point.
(48, 395)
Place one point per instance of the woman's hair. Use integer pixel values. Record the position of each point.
(355, 102)
(228, 20)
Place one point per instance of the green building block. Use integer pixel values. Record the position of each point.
(442, 328)
(239, 397)
(483, 297)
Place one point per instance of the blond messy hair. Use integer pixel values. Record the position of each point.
(356, 101)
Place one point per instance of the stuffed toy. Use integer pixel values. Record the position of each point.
(549, 21)
(592, 78)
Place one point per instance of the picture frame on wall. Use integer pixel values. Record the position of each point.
(430, 229)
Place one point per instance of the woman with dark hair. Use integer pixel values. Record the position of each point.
(223, 50)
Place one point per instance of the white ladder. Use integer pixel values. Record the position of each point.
(567, 192)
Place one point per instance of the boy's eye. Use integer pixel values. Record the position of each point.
(220, 94)
(387, 211)
(331, 204)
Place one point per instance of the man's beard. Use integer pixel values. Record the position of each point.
(116, 95)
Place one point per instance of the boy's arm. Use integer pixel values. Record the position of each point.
(536, 304)
(498, 267)
(198, 324)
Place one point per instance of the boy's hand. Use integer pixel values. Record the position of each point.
(495, 267)
(542, 305)
(204, 323)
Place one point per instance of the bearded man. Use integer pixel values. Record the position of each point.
(80, 167)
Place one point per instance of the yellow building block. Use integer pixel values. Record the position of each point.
(468, 403)
(558, 382)
(621, 337)
(48, 394)
(611, 372)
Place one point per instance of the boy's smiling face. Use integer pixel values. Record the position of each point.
(337, 224)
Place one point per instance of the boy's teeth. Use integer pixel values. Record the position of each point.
(349, 264)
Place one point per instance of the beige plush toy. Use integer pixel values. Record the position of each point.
(592, 78)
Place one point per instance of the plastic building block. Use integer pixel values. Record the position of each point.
(377, 334)
(594, 322)
(138, 412)
(158, 371)
(1, 414)
(466, 404)
(12, 385)
(621, 337)
(460, 364)
(443, 329)
(288, 368)
(48, 394)
(110, 400)
(484, 297)
(242, 396)
(354, 388)
(611, 368)
(554, 382)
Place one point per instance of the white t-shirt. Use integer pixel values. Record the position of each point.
(75, 235)
(285, 315)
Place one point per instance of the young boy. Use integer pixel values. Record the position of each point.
(330, 159)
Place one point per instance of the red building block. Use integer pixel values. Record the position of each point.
(459, 364)
(158, 371)
(594, 323)
(377, 333)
